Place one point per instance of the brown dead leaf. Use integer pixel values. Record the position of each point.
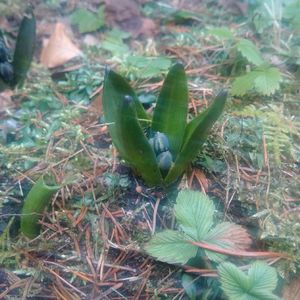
(201, 179)
(236, 235)
(126, 15)
(59, 49)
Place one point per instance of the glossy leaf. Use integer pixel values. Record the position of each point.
(115, 88)
(195, 135)
(171, 108)
(24, 49)
(136, 148)
(35, 203)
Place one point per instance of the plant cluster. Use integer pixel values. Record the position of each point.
(161, 155)
(194, 213)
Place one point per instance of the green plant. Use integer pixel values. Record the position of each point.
(88, 21)
(13, 71)
(162, 154)
(35, 203)
(243, 55)
(258, 284)
(194, 213)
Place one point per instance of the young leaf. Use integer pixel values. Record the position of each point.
(114, 90)
(136, 148)
(249, 51)
(171, 246)
(35, 203)
(242, 84)
(195, 135)
(149, 66)
(24, 49)
(222, 33)
(88, 21)
(257, 285)
(265, 80)
(194, 213)
(171, 109)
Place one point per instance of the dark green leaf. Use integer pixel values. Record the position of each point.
(171, 109)
(24, 49)
(121, 109)
(195, 135)
(189, 285)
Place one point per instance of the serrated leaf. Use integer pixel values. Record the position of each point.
(227, 236)
(242, 84)
(234, 282)
(88, 21)
(257, 285)
(171, 246)
(221, 33)
(267, 80)
(194, 213)
(262, 277)
(249, 51)
(264, 80)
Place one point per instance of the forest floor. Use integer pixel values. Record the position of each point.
(92, 237)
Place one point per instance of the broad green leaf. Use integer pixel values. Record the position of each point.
(146, 66)
(262, 278)
(242, 84)
(234, 282)
(257, 285)
(171, 246)
(25, 46)
(113, 42)
(194, 213)
(267, 80)
(124, 127)
(222, 33)
(171, 108)
(195, 135)
(249, 51)
(88, 21)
